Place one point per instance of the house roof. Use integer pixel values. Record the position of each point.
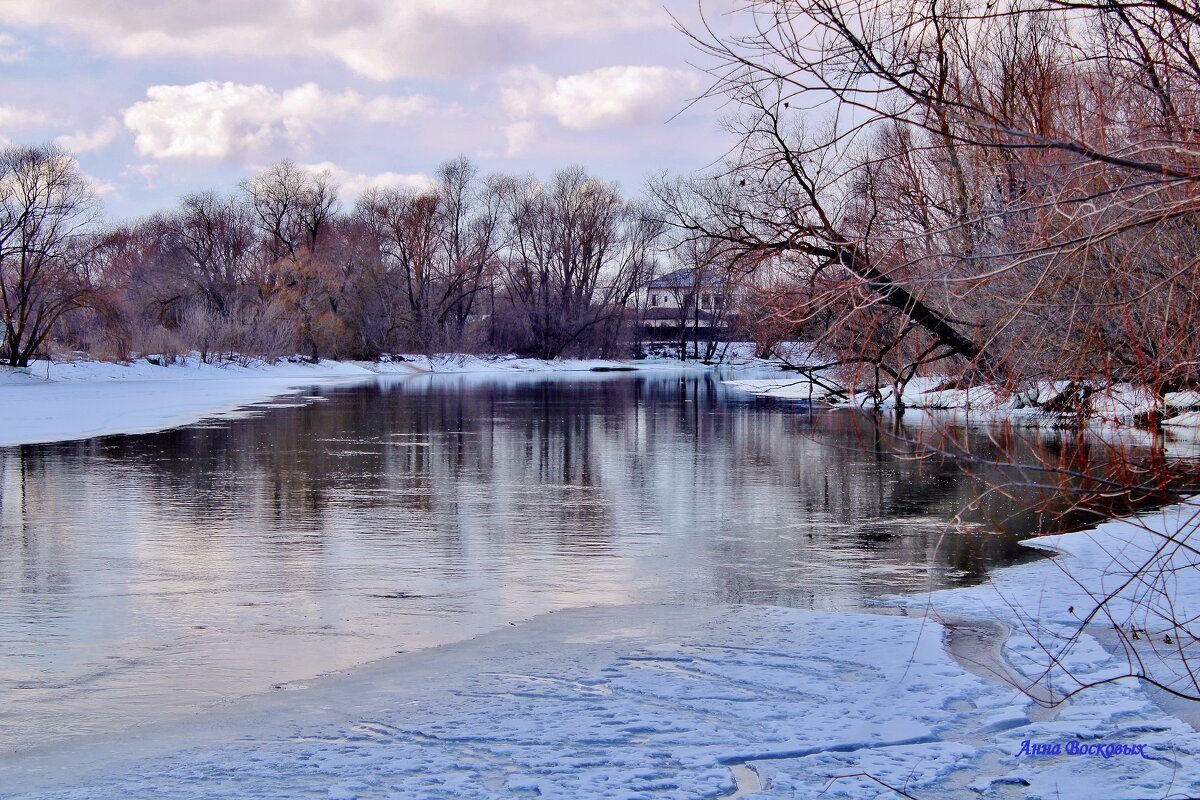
(687, 279)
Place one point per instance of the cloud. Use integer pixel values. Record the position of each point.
(519, 136)
(381, 39)
(353, 184)
(83, 141)
(603, 98)
(222, 120)
(145, 172)
(12, 117)
(11, 49)
(100, 188)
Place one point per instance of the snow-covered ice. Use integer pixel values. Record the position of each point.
(632, 702)
(78, 400)
(663, 702)
(1140, 573)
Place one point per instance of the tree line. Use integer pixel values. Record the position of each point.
(277, 267)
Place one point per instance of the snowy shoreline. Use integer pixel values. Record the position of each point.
(674, 702)
(1120, 404)
(1119, 417)
(65, 401)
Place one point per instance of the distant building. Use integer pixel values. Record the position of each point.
(697, 301)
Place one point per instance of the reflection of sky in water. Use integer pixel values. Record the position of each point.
(144, 575)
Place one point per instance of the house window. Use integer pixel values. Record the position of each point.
(653, 300)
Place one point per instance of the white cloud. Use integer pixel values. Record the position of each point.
(11, 49)
(519, 136)
(101, 188)
(381, 39)
(222, 120)
(146, 172)
(84, 141)
(12, 117)
(353, 184)
(603, 98)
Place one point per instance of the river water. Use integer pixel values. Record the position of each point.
(145, 577)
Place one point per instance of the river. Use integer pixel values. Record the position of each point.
(147, 577)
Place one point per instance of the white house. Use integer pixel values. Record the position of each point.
(689, 298)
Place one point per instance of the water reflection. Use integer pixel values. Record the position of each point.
(141, 576)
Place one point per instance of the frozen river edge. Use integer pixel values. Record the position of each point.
(665, 702)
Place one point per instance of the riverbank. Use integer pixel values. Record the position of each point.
(1120, 404)
(63, 401)
(69, 400)
(673, 702)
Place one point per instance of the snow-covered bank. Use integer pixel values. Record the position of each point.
(1120, 404)
(456, 363)
(671, 702)
(78, 400)
(62, 401)
(1116, 599)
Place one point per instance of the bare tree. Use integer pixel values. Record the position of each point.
(294, 209)
(209, 245)
(439, 248)
(292, 206)
(576, 253)
(46, 244)
(471, 213)
(1004, 190)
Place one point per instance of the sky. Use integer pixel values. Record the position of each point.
(158, 99)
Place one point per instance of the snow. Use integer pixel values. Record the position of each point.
(85, 399)
(1140, 572)
(1120, 403)
(784, 388)
(62, 401)
(664, 702)
(1188, 419)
